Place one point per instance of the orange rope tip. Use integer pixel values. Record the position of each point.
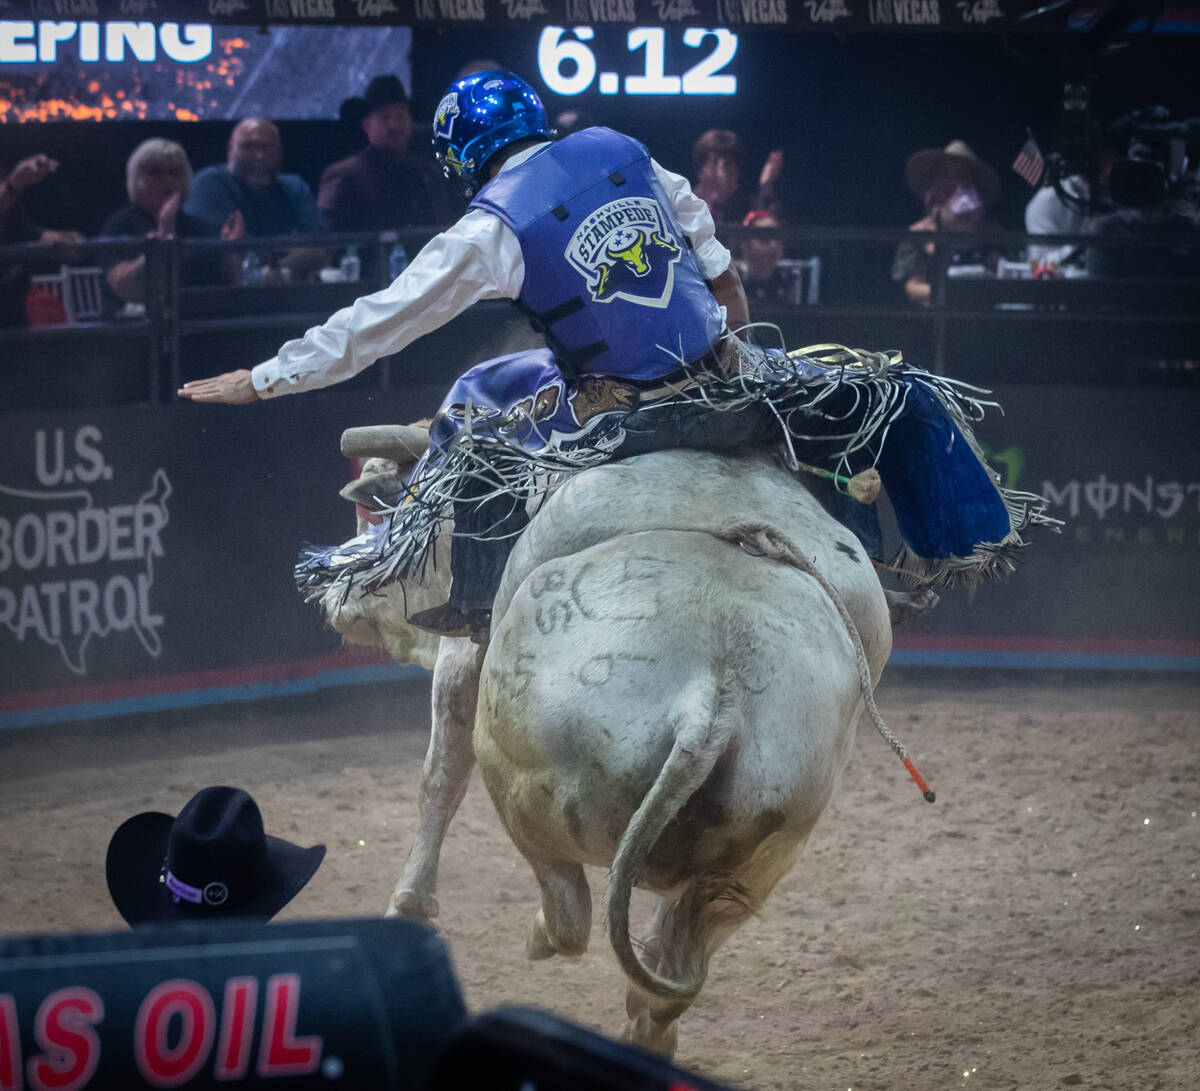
(925, 789)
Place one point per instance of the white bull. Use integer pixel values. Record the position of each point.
(681, 649)
(680, 652)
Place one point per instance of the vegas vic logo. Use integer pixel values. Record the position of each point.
(625, 251)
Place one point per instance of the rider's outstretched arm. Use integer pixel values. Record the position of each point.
(478, 258)
(232, 388)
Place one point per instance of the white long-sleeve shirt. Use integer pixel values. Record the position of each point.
(478, 258)
(1047, 215)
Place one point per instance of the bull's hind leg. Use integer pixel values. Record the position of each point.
(653, 1020)
(564, 923)
(689, 930)
(444, 780)
(650, 953)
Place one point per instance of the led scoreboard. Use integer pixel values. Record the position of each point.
(691, 61)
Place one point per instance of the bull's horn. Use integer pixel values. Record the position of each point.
(400, 442)
(373, 490)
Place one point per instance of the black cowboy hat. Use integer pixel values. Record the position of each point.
(213, 861)
(922, 165)
(381, 91)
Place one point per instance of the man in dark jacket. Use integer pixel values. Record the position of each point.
(382, 187)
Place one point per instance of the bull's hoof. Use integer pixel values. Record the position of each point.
(413, 906)
(538, 946)
(643, 1031)
(903, 606)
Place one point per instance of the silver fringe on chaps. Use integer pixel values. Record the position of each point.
(798, 388)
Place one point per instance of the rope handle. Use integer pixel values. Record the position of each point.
(776, 545)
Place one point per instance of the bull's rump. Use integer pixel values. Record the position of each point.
(602, 656)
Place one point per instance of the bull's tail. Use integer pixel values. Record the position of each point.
(707, 723)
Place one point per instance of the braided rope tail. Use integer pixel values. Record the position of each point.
(759, 539)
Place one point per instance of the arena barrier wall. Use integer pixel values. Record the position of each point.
(1119, 588)
(353, 1004)
(146, 552)
(364, 1005)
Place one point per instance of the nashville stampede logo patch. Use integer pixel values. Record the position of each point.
(624, 251)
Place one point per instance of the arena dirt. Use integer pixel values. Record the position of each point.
(1037, 927)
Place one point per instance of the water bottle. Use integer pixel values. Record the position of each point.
(398, 261)
(351, 265)
(251, 269)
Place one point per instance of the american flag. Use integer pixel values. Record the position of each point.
(1029, 163)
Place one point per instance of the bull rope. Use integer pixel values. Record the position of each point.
(775, 545)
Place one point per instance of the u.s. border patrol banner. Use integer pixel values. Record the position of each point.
(146, 553)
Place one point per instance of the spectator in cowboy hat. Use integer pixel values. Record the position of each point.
(956, 188)
(211, 862)
(382, 187)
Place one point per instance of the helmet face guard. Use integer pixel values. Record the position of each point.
(477, 117)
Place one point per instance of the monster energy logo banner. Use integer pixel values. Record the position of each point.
(625, 251)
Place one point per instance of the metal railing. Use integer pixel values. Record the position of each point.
(175, 308)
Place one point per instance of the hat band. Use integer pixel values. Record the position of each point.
(181, 890)
(214, 895)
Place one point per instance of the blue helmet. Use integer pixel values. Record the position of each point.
(477, 117)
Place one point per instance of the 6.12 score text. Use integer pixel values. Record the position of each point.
(568, 66)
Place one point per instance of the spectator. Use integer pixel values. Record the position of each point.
(157, 179)
(957, 189)
(250, 183)
(17, 227)
(211, 862)
(1178, 256)
(759, 255)
(1048, 214)
(382, 187)
(717, 165)
(269, 203)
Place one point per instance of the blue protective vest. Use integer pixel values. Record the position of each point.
(609, 275)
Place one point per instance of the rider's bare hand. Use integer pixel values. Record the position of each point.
(232, 388)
